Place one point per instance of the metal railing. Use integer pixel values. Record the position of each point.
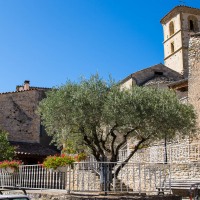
(33, 176)
(90, 177)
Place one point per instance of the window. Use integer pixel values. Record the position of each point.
(158, 73)
(193, 23)
(171, 28)
(172, 47)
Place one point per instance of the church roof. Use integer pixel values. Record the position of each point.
(178, 9)
(154, 73)
(178, 84)
(182, 81)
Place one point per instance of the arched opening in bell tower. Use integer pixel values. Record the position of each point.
(171, 28)
(193, 23)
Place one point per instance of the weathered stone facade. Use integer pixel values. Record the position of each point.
(19, 118)
(18, 115)
(194, 74)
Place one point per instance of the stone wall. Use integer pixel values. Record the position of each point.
(68, 197)
(144, 177)
(18, 115)
(194, 74)
(62, 195)
(189, 171)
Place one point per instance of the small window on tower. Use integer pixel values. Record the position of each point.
(171, 28)
(172, 47)
(158, 73)
(191, 25)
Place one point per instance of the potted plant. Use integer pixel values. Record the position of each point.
(81, 156)
(10, 166)
(58, 162)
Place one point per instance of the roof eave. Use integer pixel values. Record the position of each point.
(177, 10)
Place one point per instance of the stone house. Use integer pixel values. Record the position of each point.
(18, 117)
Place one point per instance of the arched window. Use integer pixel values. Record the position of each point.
(171, 28)
(193, 23)
(172, 47)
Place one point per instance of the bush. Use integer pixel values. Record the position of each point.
(53, 162)
(12, 164)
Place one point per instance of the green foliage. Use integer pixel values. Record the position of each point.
(53, 162)
(81, 156)
(6, 150)
(13, 164)
(100, 116)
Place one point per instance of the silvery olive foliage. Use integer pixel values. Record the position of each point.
(100, 116)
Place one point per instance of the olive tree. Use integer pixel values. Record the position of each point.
(101, 116)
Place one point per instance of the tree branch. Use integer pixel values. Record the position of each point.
(130, 156)
(96, 141)
(111, 132)
(88, 142)
(113, 142)
(124, 140)
(103, 142)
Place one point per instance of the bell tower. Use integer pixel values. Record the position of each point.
(178, 25)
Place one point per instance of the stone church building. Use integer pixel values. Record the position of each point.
(181, 73)
(178, 26)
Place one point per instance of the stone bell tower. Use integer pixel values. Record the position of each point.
(178, 25)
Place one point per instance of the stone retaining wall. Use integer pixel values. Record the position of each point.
(62, 195)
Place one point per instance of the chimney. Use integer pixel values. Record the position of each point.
(26, 85)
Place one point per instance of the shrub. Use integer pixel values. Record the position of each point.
(13, 164)
(53, 162)
(80, 157)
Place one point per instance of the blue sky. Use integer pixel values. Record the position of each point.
(50, 41)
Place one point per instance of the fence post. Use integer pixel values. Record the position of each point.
(139, 179)
(104, 175)
(69, 167)
(20, 176)
(170, 177)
